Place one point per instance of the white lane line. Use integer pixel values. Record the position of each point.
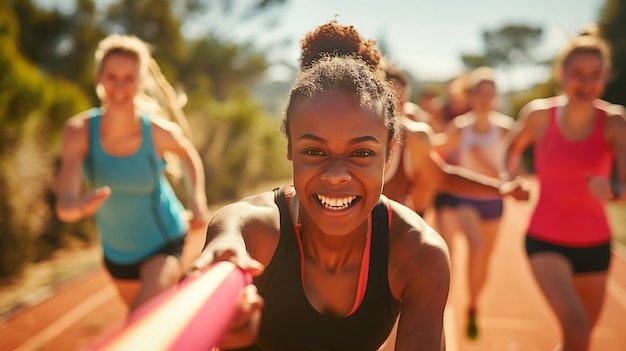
(72, 316)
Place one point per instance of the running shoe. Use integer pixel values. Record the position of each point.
(472, 326)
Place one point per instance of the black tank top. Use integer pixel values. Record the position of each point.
(290, 323)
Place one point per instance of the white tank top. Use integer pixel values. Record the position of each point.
(489, 144)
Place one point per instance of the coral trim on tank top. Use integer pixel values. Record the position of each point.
(365, 261)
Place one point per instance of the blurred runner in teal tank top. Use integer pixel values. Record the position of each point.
(119, 150)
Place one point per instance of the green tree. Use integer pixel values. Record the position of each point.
(32, 104)
(60, 44)
(220, 18)
(221, 68)
(613, 28)
(154, 22)
(226, 64)
(46, 76)
(506, 46)
(243, 147)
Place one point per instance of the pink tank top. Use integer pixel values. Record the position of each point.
(566, 213)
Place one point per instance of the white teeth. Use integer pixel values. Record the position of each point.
(334, 203)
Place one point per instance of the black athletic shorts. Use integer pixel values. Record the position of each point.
(583, 259)
(131, 271)
(444, 200)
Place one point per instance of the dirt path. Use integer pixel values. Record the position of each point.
(513, 317)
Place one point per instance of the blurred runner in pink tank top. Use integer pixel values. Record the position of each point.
(576, 137)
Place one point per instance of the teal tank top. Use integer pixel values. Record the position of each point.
(143, 213)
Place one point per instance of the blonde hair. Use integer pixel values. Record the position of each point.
(478, 76)
(156, 95)
(588, 41)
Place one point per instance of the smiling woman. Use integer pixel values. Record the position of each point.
(578, 140)
(329, 252)
(342, 162)
(118, 151)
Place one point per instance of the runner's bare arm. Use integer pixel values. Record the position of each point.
(523, 133)
(168, 137)
(616, 129)
(71, 205)
(420, 279)
(461, 181)
(245, 232)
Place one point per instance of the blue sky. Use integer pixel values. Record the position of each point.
(426, 38)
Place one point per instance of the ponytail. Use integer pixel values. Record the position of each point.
(159, 97)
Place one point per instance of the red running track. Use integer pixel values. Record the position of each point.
(514, 316)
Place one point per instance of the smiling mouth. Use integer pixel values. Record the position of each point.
(336, 203)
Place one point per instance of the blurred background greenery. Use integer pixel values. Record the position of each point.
(46, 76)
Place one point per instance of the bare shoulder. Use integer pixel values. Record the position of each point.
(75, 140)
(263, 201)
(613, 111)
(535, 114)
(413, 240)
(418, 140)
(168, 136)
(419, 277)
(255, 219)
(413, 229)
(460, 121)
(252, 209)
(260, 226)
(416, 112)
(163, 126)
(540, 106)
(501, 120)
(615, 126)
(416, 129)
(258, 213)
(418, 255)
(616, 114)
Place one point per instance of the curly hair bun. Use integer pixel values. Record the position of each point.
(334, 39)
